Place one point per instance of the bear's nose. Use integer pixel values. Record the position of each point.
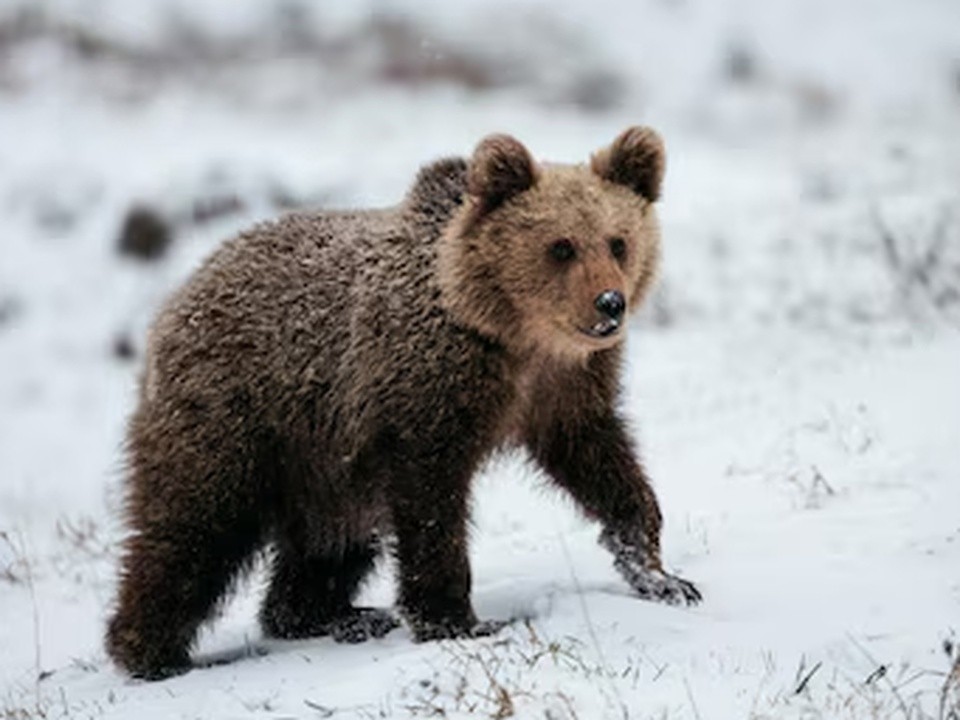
(611, 304)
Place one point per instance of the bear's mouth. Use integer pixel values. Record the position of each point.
(603, 329)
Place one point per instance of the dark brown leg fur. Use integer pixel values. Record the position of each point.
(311, 596)
(595, 462)
(430, 504)
(195, 521)
(172, 580)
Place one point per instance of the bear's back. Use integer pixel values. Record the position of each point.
(307, 311)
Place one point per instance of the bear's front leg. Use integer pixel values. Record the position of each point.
(642, 569)
(430, 505)
(594, 460)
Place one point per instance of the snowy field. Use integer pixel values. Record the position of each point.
(794, 383)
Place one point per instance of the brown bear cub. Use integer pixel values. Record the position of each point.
(328, 380)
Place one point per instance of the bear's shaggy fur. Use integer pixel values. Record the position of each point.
(327, 380)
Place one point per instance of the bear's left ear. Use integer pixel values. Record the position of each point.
(635, 159)
(500, 168)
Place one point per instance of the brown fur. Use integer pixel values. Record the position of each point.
(328, 379)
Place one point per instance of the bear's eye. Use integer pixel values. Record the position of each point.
(562, 250)
(618, 248)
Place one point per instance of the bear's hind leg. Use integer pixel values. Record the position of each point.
(311, 595)
(171, 582)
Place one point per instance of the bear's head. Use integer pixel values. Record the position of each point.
(552, 257)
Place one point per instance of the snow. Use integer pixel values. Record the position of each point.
(793, 384)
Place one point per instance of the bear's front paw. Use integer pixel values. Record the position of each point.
(637, 559)
(362, 624)
(663, 587)
(426, 630)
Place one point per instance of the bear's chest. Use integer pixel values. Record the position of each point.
(526, 399)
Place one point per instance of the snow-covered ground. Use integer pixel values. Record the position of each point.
(795, 383)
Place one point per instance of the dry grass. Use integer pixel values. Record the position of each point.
(24, 575)
(523, 675)
(13, 564)
(923, 262)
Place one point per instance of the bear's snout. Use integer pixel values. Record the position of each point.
(611, 305)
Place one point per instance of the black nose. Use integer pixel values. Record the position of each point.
(611, 304)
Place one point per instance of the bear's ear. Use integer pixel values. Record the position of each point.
(500, 168)
(635, 159)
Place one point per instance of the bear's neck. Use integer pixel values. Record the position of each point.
(545, 389)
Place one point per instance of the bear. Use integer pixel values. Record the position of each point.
(325, 386)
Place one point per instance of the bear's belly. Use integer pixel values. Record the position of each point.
(335, 521)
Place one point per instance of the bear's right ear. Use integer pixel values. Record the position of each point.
(635, 159)
(500, 168)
